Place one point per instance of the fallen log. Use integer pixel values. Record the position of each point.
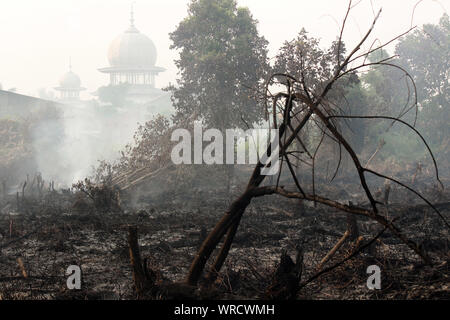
(145, 178)
(332, 252)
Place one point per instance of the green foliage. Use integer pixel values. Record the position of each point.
(104, 196)
(404, 147)
(388, 89)
(303, 59)
(115, 95)
(22, 138)
(426, 55)
(400, 142)
(151, 147)
(223, 61)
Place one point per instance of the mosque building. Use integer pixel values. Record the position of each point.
(132, 67)
(69, 87)
(132, 59)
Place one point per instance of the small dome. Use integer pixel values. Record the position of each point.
(70, 80)
(132, 49)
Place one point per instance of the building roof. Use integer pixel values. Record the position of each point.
(132, 49)
(69, 81)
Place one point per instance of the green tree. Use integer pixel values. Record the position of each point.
(389, 92)
(223, 60)
(426, 56)
(115, 95)
(304, 59)
(387, 87)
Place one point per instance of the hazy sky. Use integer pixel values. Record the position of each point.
(38, 37)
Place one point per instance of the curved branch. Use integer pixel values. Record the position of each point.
(408, 125)
(261, 191)
(412, 190)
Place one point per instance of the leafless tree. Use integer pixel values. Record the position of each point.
(293, 106)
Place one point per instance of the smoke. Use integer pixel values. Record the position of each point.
(67, 149)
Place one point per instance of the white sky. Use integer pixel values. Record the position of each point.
(38, 37)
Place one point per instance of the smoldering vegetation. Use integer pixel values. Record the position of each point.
(363, 181)
(175, 207)
(51, 230)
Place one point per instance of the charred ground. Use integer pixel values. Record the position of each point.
(40, 236)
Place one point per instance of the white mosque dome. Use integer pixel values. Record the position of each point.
(132, 49)
(132, 60)
(70, 80)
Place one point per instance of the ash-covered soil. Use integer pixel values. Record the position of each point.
(40, 241)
